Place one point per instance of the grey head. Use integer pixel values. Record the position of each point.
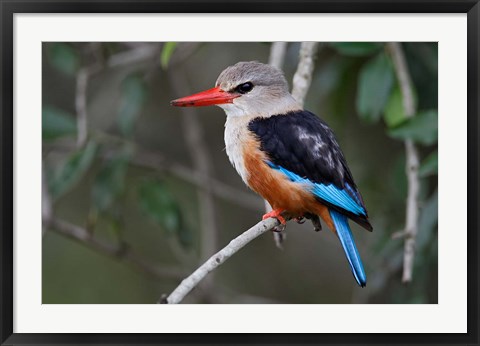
(262, 90)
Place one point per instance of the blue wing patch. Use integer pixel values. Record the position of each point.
(329, 193)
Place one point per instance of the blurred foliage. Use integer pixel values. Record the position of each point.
(110, 181)
(421, 128)
(374, 86)
(167, 51)
(159, 205)
(64, 57)
(114, 182)
(394, 112)
(57, 123)
(71, 170)
(134, 94)
(357, 48)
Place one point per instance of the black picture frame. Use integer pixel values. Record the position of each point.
(9, 8)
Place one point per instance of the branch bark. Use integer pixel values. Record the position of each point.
(81, 106)
(412, 161)
(219, 258)
(303, 76)
(46, 202)
(277, 54)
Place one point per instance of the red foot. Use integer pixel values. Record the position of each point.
(277, 215)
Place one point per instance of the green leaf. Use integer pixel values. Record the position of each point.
(356, 48)
(71, 171)
(394, 113)
(374, 86)
(167, 51)
(422, 128)
(134, 94)
(64, 57)
(56, 123)
(429, 165)
(157, 203)
(110, 181)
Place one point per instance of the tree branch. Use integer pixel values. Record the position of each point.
(46, 202)
(303, 76)
(81, 106)
(219, 258)
(277, 54)
(412, 161)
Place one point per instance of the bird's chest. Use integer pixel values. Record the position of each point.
(243, 150)
(236, 138)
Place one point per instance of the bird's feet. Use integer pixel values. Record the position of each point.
(277, 214)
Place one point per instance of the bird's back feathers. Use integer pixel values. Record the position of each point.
(304, 148)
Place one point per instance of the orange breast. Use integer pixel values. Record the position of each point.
(276, 188)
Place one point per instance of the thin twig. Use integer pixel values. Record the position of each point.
(277, 54)
(81, 106)
(85, 238)
(219, 258)
(412, 161)
(46, 202)
(303, 75)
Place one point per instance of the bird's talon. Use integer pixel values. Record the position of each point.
(277, 215)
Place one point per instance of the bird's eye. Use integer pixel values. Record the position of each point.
(244, 88)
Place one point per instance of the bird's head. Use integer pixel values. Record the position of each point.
(246, 89)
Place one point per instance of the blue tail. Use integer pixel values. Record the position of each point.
(348, 243)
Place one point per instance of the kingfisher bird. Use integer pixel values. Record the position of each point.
(286, 154)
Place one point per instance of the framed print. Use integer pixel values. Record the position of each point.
(330, 197)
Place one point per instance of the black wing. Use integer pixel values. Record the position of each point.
(301, 143)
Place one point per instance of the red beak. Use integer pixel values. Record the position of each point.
(214, 96)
